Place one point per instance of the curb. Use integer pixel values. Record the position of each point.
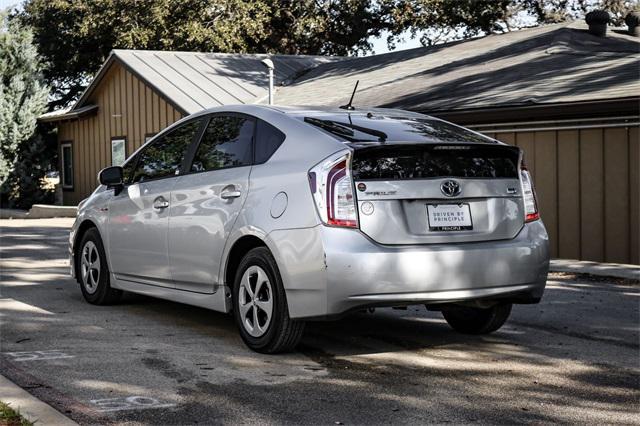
(13, 214)
(44, 211)
(40, 211)
(30, 407)
(616, 270)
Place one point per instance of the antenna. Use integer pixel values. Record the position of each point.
(349, 106)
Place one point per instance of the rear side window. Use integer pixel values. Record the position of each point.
(163, 157)
(227, 142)
(396, 162)
(268, 140)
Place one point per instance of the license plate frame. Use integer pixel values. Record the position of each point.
(461, 225)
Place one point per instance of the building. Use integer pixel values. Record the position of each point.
(571, 100)
(138, 93)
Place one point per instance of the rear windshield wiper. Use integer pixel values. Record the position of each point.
(345, 129)
(332, 127)
(382, 136)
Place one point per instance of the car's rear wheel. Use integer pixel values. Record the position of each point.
(260, 305)
(470, 320)
(93, 272)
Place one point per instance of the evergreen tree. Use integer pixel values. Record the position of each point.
(23, 97)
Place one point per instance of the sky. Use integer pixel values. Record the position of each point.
(380, 44)
(7, 3)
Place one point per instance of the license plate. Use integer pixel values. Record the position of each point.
(449, 217)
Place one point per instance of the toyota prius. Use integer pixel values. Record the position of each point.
(283, 215)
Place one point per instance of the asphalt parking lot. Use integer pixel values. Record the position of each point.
(572, 358)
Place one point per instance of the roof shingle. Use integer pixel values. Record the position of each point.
(549, 64)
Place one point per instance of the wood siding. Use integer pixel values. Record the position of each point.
(588, 190)
(127, 108)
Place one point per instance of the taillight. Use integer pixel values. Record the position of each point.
(332, 190)
(529, 195)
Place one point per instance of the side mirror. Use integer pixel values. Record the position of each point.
(111, 177)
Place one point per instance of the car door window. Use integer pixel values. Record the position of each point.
(163, 156)
(128, 168)
(226, 142)
(268, 140)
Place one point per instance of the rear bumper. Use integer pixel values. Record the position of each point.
(355, 272)
(361, 272)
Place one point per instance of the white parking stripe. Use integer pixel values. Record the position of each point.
(135, 402)
(37, 355)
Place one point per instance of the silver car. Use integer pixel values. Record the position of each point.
(283, 215)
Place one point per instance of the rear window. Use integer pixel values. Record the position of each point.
(358, 127)
(396, 162)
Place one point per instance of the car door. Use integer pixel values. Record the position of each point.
(206, 201)
(139, 214)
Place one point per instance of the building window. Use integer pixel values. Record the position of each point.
(118, 151)
(67, 165)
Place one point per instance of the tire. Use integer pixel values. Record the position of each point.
(263, 320)
(468, 320)
(93, 272)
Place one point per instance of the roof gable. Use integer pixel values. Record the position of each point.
(193, 81)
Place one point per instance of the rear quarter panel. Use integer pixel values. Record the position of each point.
(284, 175)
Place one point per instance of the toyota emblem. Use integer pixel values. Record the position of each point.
(450, 188)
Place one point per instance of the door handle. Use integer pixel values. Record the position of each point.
(160, 203)
(225, 195)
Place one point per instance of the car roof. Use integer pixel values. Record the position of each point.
(321, 110)
(312, 110)
(397, 126)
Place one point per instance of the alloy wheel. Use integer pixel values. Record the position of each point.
(255, 301)
(90, 267)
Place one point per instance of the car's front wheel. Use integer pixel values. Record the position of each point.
(93, 272)
(260, 305)
(470, 320)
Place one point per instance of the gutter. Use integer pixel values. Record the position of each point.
(602, 109)
(64, 115)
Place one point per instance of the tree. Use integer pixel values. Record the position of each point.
(76, 36)
(439, 21)
(23, 97)
(24, 185)
(553, 11)
(445, 20)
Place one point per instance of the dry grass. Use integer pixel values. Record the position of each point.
(10, 417)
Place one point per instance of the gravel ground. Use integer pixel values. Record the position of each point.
(574, 358)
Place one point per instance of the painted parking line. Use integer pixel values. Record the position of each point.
(128, 403)
(37, 355)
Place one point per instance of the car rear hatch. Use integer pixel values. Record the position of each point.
(428, 193)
